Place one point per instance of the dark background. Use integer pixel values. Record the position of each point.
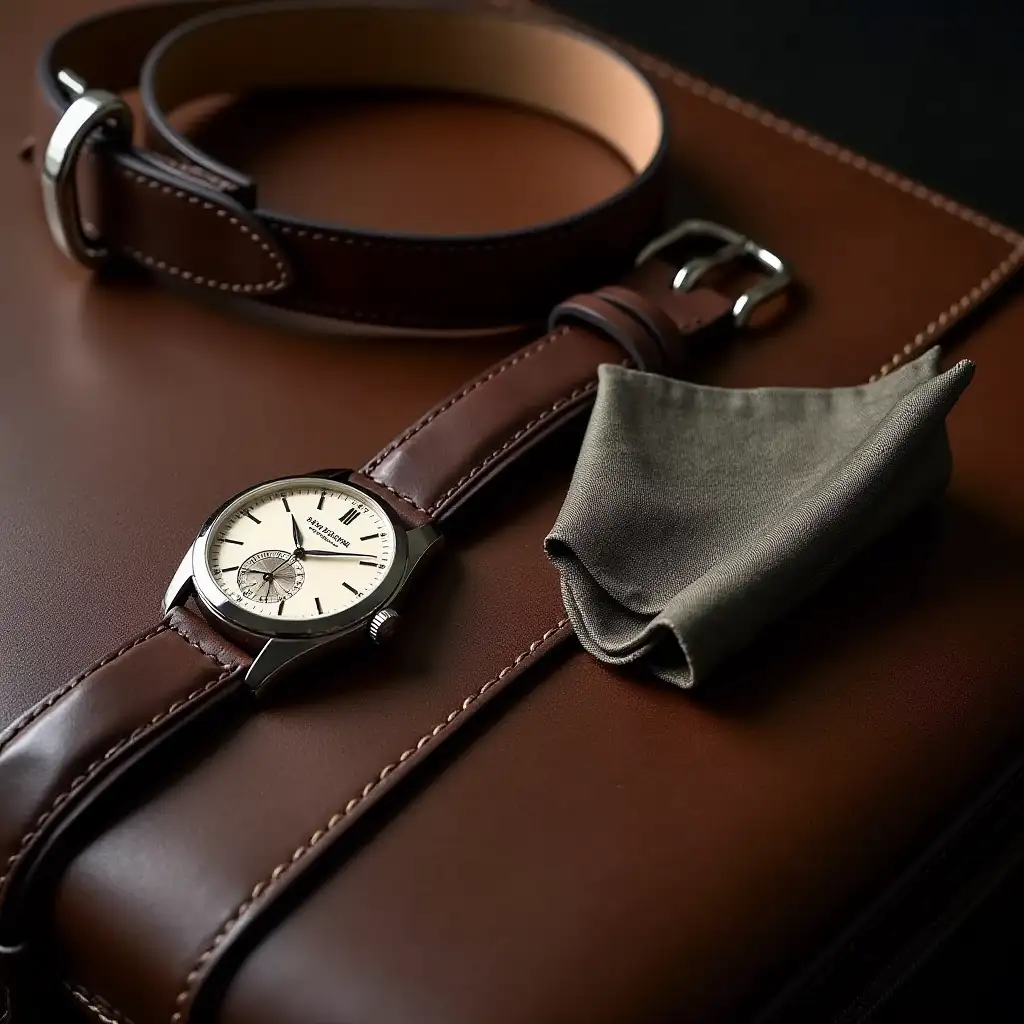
(934, 90)
(931, 88)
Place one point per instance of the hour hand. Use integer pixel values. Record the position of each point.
(296, 533)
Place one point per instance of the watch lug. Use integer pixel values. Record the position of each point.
(180, 588)
(424, 543)
(275, 657)
(332, 474)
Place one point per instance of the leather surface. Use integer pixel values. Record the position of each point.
(633, 853)
(57, 759)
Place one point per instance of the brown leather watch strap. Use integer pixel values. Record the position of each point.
(60, 758)
(441, 460)
(181, 214)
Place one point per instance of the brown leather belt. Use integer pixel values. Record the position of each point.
(182, 215)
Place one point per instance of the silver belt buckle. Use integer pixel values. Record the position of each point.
(91, 111)
(734, 247)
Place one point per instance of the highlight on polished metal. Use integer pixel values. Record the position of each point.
(735, 246)
(92, 112)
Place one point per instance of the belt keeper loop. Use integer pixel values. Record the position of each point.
(617, 324)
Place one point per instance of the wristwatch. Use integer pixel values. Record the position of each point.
(297, 567)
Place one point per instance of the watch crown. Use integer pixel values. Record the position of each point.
(384, 625)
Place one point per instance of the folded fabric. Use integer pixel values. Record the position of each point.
(696, 515)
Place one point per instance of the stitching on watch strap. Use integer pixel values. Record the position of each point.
(560, 403)
(99, 1008)
(82, 780)
(501, 368)
(48, 702)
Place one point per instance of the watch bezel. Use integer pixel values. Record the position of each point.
(216, 603)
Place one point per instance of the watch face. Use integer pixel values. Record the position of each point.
(297, 554)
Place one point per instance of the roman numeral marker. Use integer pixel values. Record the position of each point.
(370, 536)
(319, 610)
(228, 540)
(348, 586)
(320, 503)
(350, 516)
(286, 506)
(253, 518)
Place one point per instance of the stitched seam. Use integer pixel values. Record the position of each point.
(272, 284)
(455, 399)
(956, 311)
(20, 726)
(560, 403)
(408, 498)
(713, 94)
(195, 171)
(82, 780)
(98, 1007)
(262, 888)
(530, 240)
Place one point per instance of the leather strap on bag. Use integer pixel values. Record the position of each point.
(180, 214)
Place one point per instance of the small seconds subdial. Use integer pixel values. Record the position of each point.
(271, 576)
(300, 549)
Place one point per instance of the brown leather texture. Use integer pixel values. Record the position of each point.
(447, 455)
(594, 847)
(58, 757)
(180, 214)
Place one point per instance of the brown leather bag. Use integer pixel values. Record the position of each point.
(591, 846)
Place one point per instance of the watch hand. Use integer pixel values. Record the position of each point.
(284, 561)
(296, 533)
(340, 554)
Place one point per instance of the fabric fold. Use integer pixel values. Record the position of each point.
(696, 515)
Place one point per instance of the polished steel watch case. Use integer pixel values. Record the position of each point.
(282, 646)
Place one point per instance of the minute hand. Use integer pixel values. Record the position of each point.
(338, 554)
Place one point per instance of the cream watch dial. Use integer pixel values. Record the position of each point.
(300, 550)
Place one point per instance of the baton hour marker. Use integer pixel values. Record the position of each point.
(253, 518)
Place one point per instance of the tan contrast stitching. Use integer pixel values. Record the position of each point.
(956, 311)
(273, 284)
(82, 780)
(455, 399)
(713, 94)
(560, 403)
(195, 171)
(408, 498)
(99, 1008)
(526, 240)
(261, 889)
(48, 702)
